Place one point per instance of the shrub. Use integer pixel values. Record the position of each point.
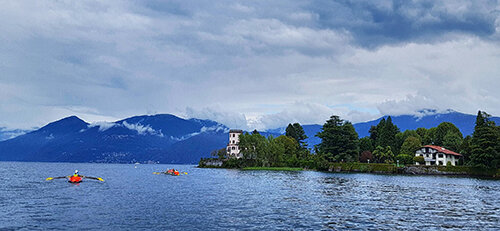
(405, 159)
(419, 159)
(448, 164)
(365, 156)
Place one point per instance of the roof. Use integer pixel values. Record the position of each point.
(235, 131)
(443, 150)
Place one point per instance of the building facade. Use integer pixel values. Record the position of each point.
(435, 155)
(233, 149)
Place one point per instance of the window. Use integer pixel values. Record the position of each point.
(233, 148)
(234, 135)
(440, 155)
(440, 163)
(233, 141)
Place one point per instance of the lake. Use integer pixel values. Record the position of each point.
(221, 199)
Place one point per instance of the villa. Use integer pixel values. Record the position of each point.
(435, 155)
(233, 150)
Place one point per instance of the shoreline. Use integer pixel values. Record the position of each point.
(389, 169)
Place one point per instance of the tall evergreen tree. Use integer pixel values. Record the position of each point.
(484, 142)
(384, 134)
(339, 140)
(296, 132)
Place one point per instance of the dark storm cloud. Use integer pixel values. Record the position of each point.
(375, 23)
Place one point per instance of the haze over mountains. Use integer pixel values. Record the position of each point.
(166, 138)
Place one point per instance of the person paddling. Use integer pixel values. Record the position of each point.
(75, 178)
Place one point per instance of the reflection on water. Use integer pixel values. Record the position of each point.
(219, 199)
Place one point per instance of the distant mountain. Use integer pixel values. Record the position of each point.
(427, 119)
(164, 138)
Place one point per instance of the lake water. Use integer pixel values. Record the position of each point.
(220, 199)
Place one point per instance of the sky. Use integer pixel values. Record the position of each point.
(246, 64)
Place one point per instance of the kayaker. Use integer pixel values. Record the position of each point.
(75, 178)
(170, 171)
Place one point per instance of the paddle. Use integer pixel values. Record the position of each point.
(93, 178)
(59, 177)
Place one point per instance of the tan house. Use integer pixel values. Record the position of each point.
(435, 155)
(233, 150)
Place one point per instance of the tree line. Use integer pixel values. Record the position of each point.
(385, 144)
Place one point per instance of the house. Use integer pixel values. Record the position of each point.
(233, 150)
(435, 155)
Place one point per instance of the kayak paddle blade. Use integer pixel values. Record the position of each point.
(49, 178)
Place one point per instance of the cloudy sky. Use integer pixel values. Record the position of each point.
(247, 64)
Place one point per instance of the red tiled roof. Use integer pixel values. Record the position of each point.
(443, 150)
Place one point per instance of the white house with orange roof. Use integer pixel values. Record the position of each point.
(435, 155)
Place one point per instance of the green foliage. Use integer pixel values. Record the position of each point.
(444, 129)
(429, 136)
(410, 146)
(296, 132)
(363, 167)
(259, 151)
(405, 159)
(384, 134)
(419, 159)
(383, 155)
(339, 141)
(422, 132)
(365, 144)
(485, 143)
(273, 168)
(220, 153)
(452, 141)
(403, 136)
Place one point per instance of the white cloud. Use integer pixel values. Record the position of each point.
(141, 129)
(103, 126)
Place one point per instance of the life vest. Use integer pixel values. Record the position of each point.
(176, 173)
(75, 179)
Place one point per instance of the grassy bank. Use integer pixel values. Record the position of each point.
(362, 167)
(273, 168)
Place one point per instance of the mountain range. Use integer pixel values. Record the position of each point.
(167, 138)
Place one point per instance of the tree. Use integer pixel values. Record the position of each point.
(290, 153)
(402, 136)
(365, 156)
(383, 155)
(429, 136)
(255, 132)
(484, 142)
(339, 140)
(466, 149)
(405, 159)
(410, 146)
(365, 144)
(442, 130)
(296, 132)
(422, 132)
(452, 141)
(384, 134)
